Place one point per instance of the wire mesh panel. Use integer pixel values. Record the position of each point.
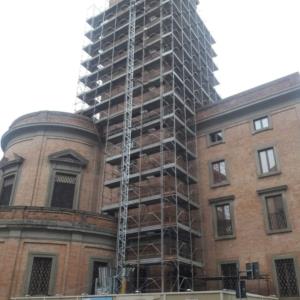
(230, 273)
(40, 276)
(286, 278)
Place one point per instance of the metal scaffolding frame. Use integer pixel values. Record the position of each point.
(172, 78)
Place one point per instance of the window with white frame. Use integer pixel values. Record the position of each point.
(267, 161)
(261, 123)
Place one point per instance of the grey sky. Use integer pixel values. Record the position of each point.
(41, 41)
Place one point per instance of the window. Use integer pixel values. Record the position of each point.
(275, 209)
(261, 123)
(216, 137)
(229, 271)
(100, 277)
(63, 190)
(41, 274)
(223, 217)
(267, 161)
(218, 173)
(9, 169)
(224, 220)
(67, 167)
(7, 189)
(252, 270)
(276, 212)
(286, 277)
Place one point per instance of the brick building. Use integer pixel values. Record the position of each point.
(50, 235)
(213, 184)
(249, 188)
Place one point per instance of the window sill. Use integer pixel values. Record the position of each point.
(269, 174)
(261, 130)
(215, 144)
(216, 185)
(224, 238)
(287, 230)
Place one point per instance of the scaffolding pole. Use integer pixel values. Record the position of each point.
(120, 277)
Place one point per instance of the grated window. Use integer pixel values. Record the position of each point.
(40, 276)
(229, 272)
(63, 191)
(286, 277)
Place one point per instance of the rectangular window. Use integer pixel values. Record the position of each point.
(40, 276)
(229, 271)
(267, 161)
(63, 190)
(286, 277)
(261, 123)
(100, 277)
(216, 137)
(7, 188)
(252, 270)
(224, 220)
(219, 172)
(276, 213)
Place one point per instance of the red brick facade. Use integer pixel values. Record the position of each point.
(280, 102)
(29, 226)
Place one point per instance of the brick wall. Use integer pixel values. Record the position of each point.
(251, 242)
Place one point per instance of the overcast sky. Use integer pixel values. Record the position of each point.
(41, 41)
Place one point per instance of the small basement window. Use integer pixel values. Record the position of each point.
(63, 190)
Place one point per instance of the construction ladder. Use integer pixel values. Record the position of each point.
(120, 276)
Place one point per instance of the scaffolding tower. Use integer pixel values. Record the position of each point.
(172, 78)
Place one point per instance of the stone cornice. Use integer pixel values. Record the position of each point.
(246, 107)
(26, 128)
(56, 219)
